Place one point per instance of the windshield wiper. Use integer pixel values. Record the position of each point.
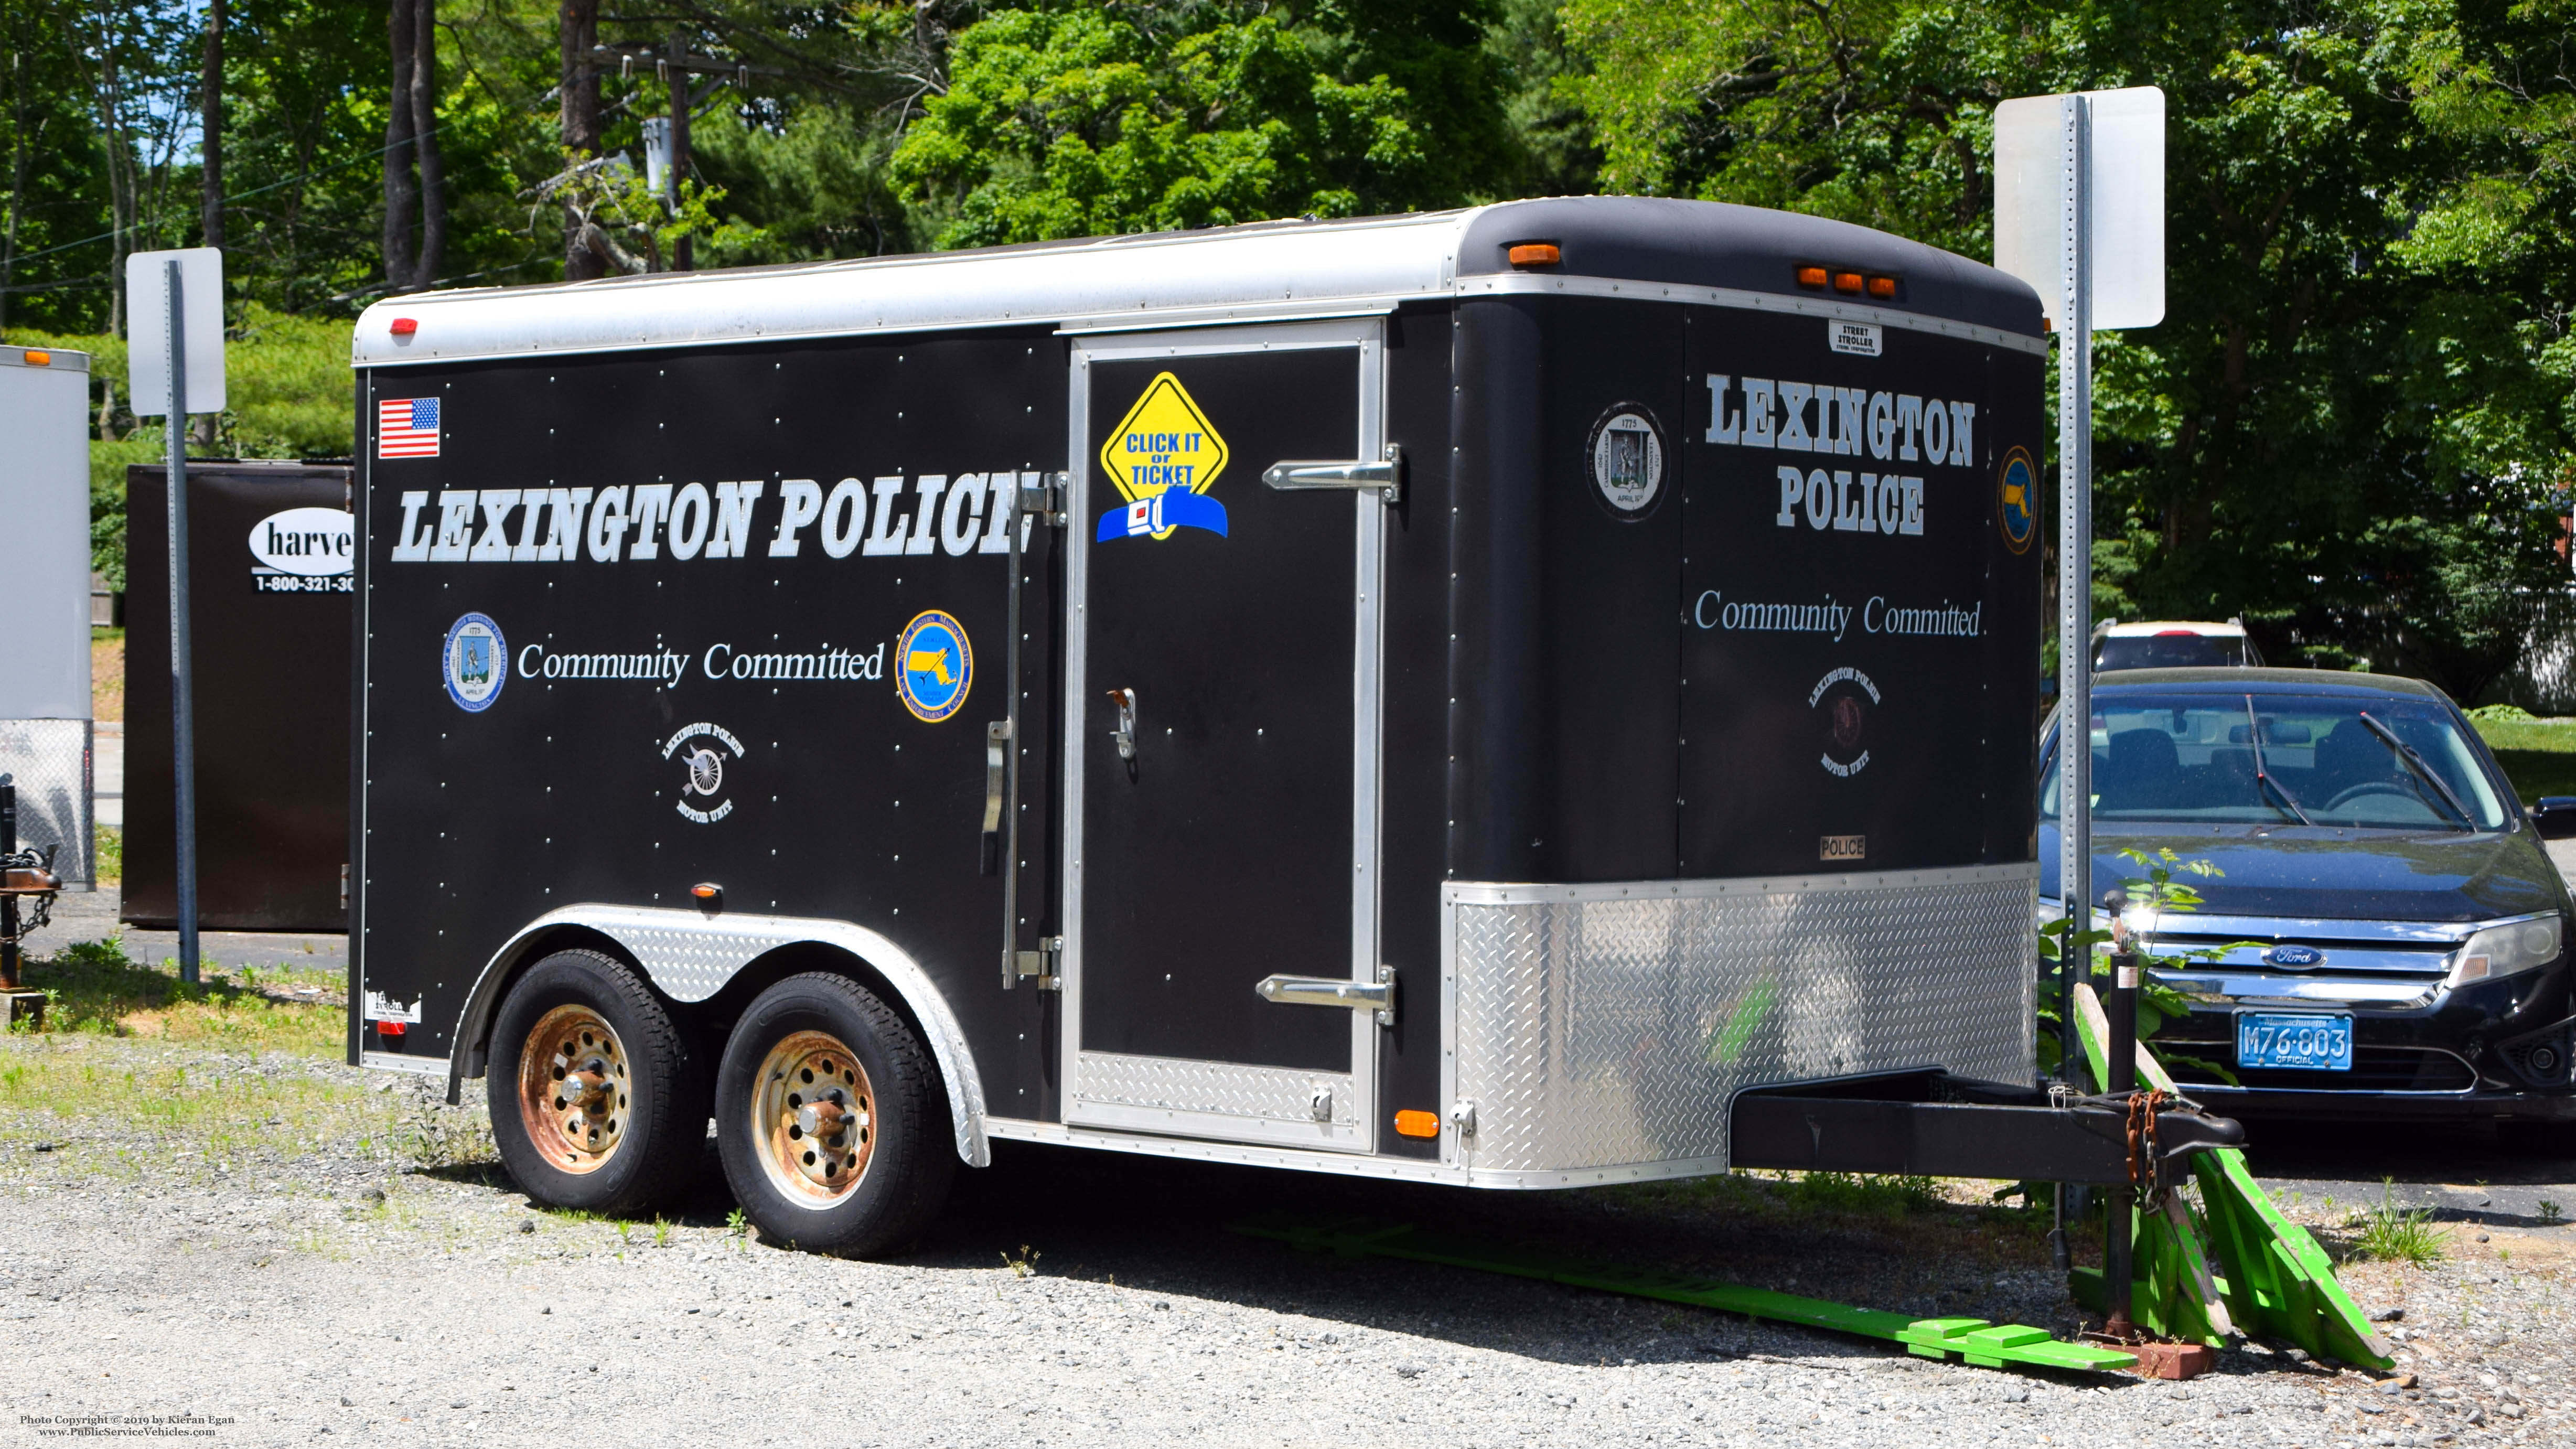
(2415, 762)
(2262, 776)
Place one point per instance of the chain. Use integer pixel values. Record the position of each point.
(2146, 1167)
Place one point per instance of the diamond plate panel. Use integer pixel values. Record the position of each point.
(1601, 1026)
(50, 759)
(1167, 1084)
(694, 962)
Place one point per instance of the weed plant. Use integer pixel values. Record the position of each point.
(2398, 1235)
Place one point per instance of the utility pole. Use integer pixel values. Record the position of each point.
(211, 125)
(675, 68)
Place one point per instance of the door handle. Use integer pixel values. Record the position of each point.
(1125, 734)
(1384, 477)
(997, 766)
(1373, 996)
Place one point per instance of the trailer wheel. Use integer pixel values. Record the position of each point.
(598, 1100)
(831, 1119)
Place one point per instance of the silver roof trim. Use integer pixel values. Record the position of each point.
(1546, 284)
(1145, 279)
(1325, 311)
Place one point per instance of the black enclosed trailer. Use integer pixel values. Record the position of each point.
(1455, 697)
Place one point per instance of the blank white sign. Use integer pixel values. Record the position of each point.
(147, 336)
(2128, 202)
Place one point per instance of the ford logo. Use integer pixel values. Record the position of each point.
(2293, 958)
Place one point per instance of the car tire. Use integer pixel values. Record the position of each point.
(599, 1097)
(831, 1119)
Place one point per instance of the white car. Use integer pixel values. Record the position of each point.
(2172, 644)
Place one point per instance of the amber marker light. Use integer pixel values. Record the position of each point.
(405, 326)
(39, 359)
(1811, 276)
(1536, 254)
(1417, 1124)
(707, 891)
(1848, 282)
(1883, 288)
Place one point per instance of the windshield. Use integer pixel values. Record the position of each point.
(2271, 759)
(2181, 649)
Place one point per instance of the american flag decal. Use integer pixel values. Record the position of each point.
(408, 428)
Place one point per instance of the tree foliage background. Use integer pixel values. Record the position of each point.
(2354, 427)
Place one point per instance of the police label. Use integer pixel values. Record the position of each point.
(472, 662)
(1165, 445)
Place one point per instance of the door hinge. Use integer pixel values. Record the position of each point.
(1377, 998)
(1041, 965)
(1044, 500)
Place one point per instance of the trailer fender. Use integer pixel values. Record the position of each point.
(689, 956)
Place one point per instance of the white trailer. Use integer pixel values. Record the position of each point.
(44, 603)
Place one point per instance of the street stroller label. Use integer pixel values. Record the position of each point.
(472, 661)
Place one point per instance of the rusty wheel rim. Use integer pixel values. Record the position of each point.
(814, 1118)
(574, 1089)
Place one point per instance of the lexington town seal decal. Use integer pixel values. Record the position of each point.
(934, 666)
(475, 662)
(2017, 500)
(1625, 457)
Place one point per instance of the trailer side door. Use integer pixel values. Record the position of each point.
(1221, 735)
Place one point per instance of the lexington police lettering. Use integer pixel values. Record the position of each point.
(1763, 412)
(896, 515)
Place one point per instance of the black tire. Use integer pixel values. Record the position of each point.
(896, 1128)
(656, 1125)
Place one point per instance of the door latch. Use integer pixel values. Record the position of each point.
(1384, 477)
(1125, 734)
(997, 766)
(1376, 997)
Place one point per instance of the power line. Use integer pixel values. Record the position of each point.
(110, 233)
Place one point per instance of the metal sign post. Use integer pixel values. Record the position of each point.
(2074, 173)
(188, 285)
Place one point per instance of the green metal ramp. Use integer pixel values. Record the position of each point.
(1972, 1340)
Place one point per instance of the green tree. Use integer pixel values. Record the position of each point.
(1074, 121)
(2353, 426)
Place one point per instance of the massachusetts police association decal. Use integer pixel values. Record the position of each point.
(1164, 456)
(474, 662)
(1625, 457)
(935, 666)
(2017, 500)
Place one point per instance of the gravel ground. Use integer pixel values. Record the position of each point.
(288, 1249)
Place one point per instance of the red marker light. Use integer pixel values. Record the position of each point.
(405, 326)
(393, 1029)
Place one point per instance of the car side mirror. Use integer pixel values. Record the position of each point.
(2554, 816)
